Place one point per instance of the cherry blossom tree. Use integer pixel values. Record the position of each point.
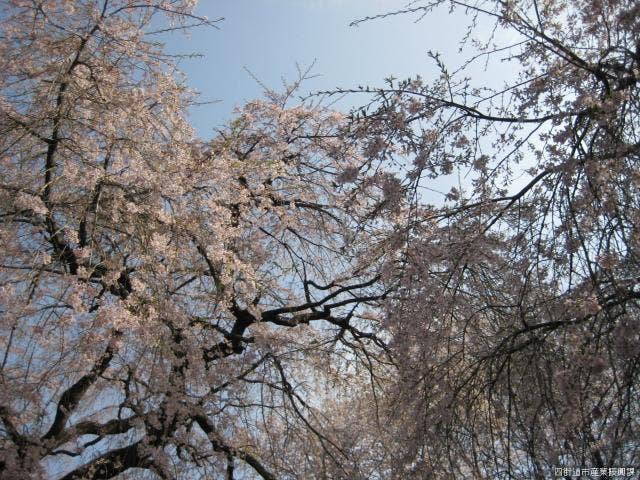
(515, 329)
(287, 300)
(170, 307)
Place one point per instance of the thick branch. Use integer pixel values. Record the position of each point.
(111, 464)
(72, 396)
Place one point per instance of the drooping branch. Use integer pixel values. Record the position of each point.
(217, 444)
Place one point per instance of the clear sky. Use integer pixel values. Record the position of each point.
(269, 37)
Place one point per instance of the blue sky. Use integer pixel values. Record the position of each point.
(268, 37)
